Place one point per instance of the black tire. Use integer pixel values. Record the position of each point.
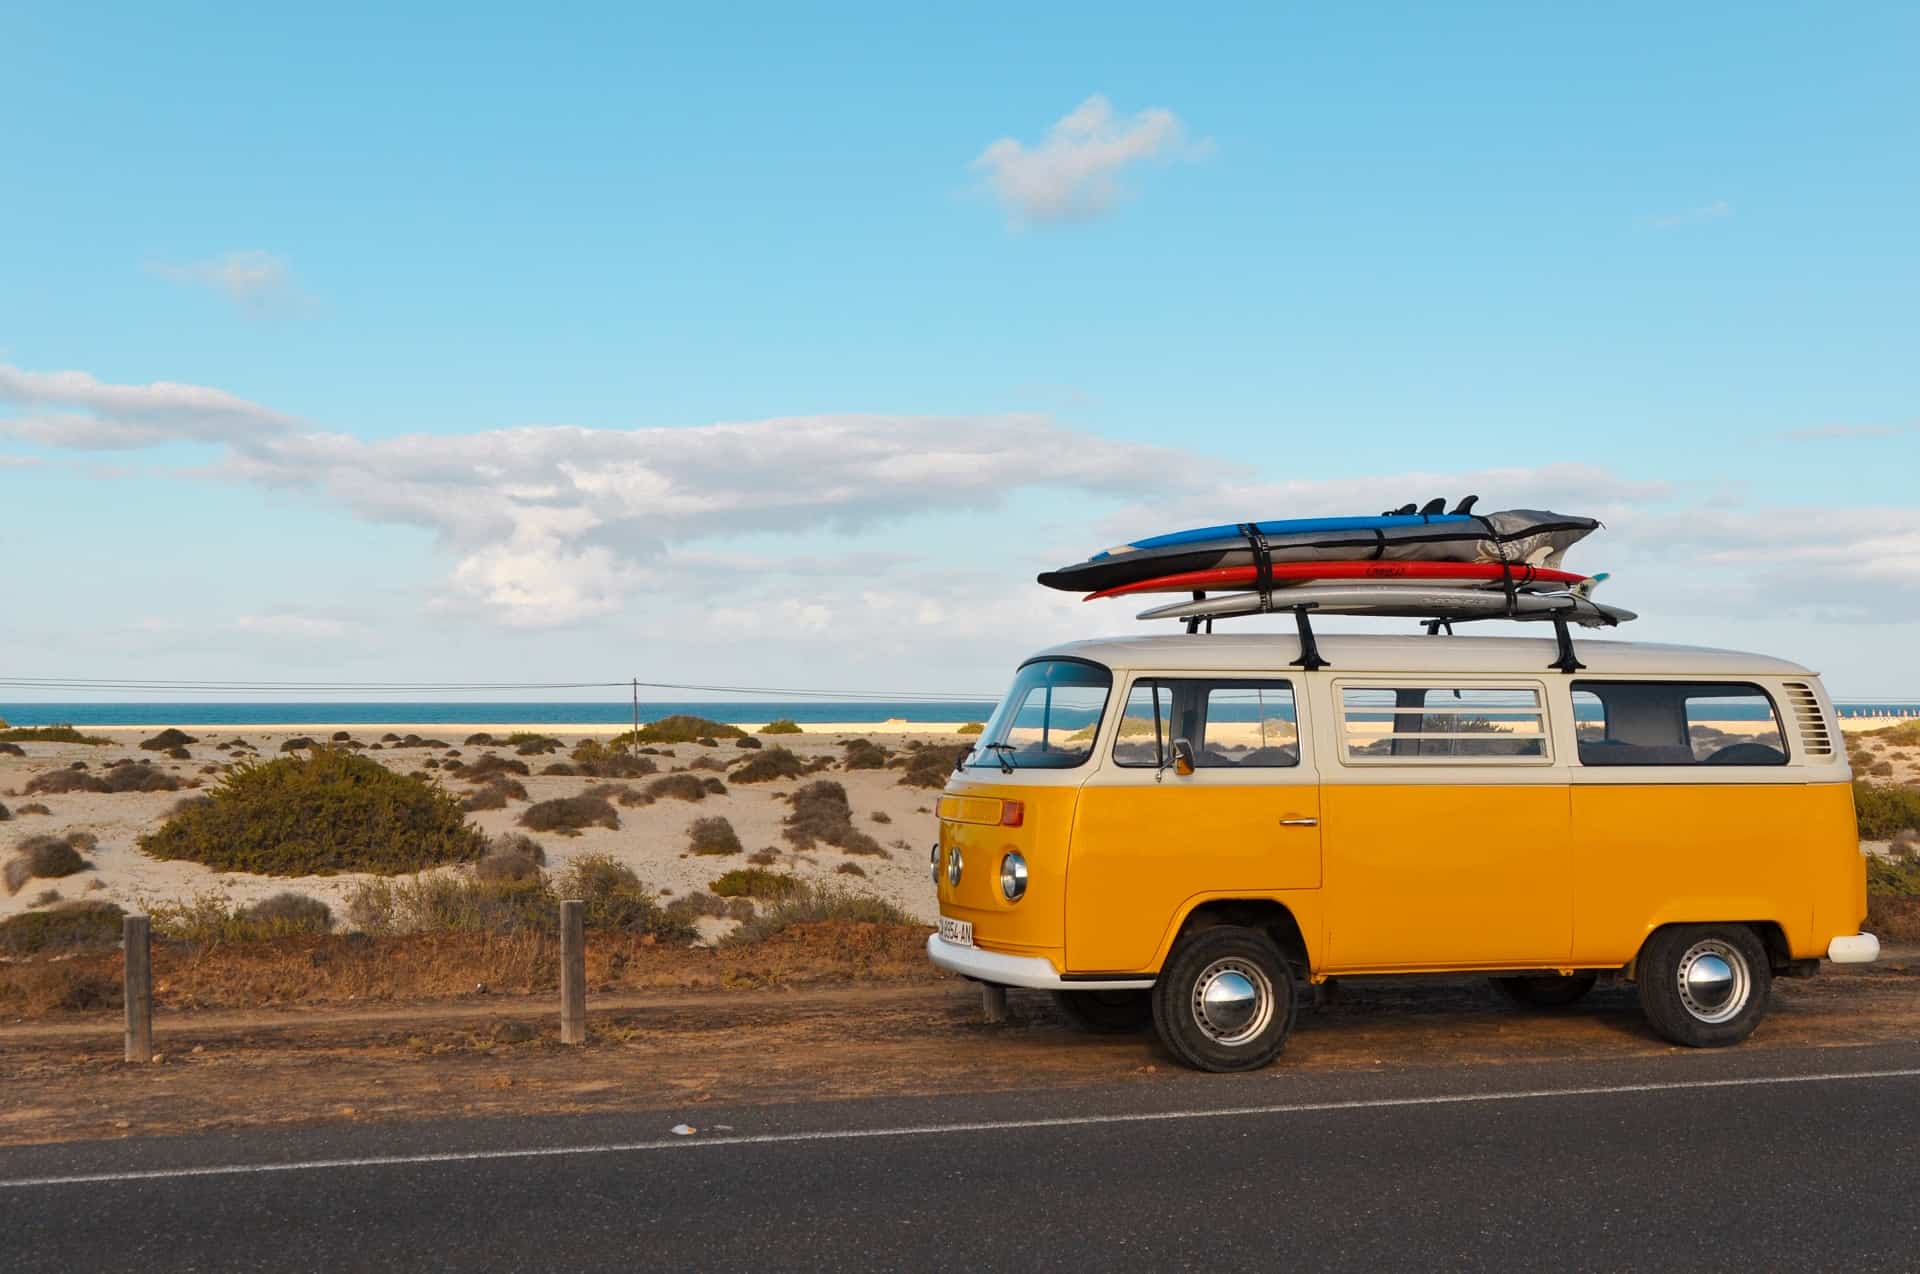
(1230, 1043)
(1107, 1012)
(1704, 1011)
(1547, 990)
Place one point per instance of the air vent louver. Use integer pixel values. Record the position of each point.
(1815, 735)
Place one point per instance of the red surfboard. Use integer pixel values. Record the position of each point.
(1294, 572)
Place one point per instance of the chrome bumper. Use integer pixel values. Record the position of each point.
(1858, 948)
(1011, 970)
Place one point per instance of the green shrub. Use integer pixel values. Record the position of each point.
(772, 763)
(209, 917)
(1884, 810)
(132, 776)
(52, 734)
(680, 728)
(1904, 735)
(972, 727)
(1893, 879)
(616, 901)
(713, 836)
(453, 904)
(326, 812)
(167, 740)
(814, 904)
(782, 726)
(755, 882)
(930, 767)
(69, 925)
(568, 815)
(599, 760)
(528, 743)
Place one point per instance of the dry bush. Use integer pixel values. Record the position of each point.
(453, 904)
(1906, 734)
(1881, 770)
(598, 760)
(512, 856)
(179, 754)
(772, 764)
(712, 764)
(48, 858)
(167, 740)
(492, 763)
(930, 766)
(418, 741)
(881, 816)
(616, 901)
(748, 742)
(764, 857)
(821, 813)
(851, 869)
(815, 904)
(6, 814)
(134, 776)
(559, 768)
(32, 807)
(698, 904)
(52, 734)
(568, 815)
(714, 836)
(481, 740)
(753, 882)
(328, 811)
(298, 743)
(782, 726)
(677, 787)
(494, 794)
(865, 754)
(67, 926)
(12, 749)
(210, 918)
(45, 898)
(527, 743)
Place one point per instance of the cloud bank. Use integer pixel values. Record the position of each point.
(1074, 173)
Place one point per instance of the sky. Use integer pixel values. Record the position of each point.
(783, 346)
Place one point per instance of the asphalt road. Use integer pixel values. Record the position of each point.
(1799, 1159)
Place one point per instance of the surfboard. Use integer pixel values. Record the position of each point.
(1407, 601)
(1286, 526)
(1531, 536)
(1458, 574)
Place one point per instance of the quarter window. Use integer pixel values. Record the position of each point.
(1236, 724)
(1676, 723)
(1443, 723)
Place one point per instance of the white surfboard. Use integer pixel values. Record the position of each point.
(1400, 600)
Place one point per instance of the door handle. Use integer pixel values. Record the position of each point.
(1299, 822)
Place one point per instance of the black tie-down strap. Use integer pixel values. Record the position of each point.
(1262, 563)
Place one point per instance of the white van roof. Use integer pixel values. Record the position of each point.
(1370, 653)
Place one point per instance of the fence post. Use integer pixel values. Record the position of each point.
(993, 1002)
(138, 987)
(573, 972)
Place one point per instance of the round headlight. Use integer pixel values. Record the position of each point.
(1013, 876)
(933, 862)
(954, 866)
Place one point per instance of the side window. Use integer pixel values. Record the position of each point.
(1243, 723)
(1676, 723)
(1443, 723)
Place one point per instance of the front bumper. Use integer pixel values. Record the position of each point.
(1858, 948)
(1011, 970)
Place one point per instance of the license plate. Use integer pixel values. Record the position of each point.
(958, 932)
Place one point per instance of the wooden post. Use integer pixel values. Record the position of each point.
(138, 990)
(993, 1002)
(573, 972)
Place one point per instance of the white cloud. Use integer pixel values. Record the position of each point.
(253, 279)
(1074, 173)
(1715, 211)
(74, 410)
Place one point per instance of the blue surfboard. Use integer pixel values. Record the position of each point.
(1290, 526)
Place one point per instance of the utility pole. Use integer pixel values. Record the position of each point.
(636, 710)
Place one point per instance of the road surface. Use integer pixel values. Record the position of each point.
(1794, 1158)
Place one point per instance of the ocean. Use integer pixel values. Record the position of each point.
(224, 712)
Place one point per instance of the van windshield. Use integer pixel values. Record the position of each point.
(1048, 719)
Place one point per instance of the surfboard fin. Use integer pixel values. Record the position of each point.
(1466, 505)
(1431, 507)
(1400, 512)
(1584, 589)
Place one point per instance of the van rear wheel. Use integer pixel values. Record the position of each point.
(1704, 986)
(1225, 1000)
(1106, 1012)
(1547, 990)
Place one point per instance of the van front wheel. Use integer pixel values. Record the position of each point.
(1704, 986)
(1224, 1001)
(1106, 1012)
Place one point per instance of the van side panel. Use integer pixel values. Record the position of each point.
(1650, 854)
(1839, 868)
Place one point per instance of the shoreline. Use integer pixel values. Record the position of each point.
(602, 730)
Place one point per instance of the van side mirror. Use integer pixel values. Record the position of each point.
(1182, 757)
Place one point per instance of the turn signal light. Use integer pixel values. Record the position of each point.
(1013, 813)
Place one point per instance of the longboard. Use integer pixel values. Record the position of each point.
(1291, 573)
(1285, 526)
(1400, 600)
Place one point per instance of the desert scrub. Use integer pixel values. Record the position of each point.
(616, 901)
(677, 787)
(1904, 735)
(972, 727)
(1884, 810)
(772, 764)
(440, 903)
(62, 928)
(210, 918)
(530, 743)
(929, 767)
(5, 813)
(47, 858)
(167, 740)
(748, 742)
(492, 763)
(812, 904)
(494, 794)
(821, 813)
(133, 776)
(782, 726)
(33, 807)
(512, 856)
(850, 869)
(12, 749)
(52, 734)
(598, 760)
(714, 836)
(680, 728)
(754, 882)
(569, 815)
(865, 754)
(318, 814)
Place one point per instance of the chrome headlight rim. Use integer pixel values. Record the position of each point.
(1013, 875)
(933, 863)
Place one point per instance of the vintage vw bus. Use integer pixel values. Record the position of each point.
(1188, 828)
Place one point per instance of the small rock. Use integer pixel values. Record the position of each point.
(199, 1048)
(159, 1059)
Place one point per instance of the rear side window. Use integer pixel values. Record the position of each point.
(1676, 723)
(1443, 723)
(1232, 724)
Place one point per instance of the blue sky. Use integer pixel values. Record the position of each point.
(1653, 265)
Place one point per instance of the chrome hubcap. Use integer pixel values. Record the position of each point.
(1232, 1001)
(1714, 982)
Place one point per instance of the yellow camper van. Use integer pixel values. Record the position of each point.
(1186, 829)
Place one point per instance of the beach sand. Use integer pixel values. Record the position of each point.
(651, 839)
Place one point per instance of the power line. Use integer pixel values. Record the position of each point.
(98, 685)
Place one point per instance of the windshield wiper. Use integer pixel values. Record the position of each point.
(1000, 753)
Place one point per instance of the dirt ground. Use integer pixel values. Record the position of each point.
(62, 1078)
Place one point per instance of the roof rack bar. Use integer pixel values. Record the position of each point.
(1567, 662)
(1310, 658)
